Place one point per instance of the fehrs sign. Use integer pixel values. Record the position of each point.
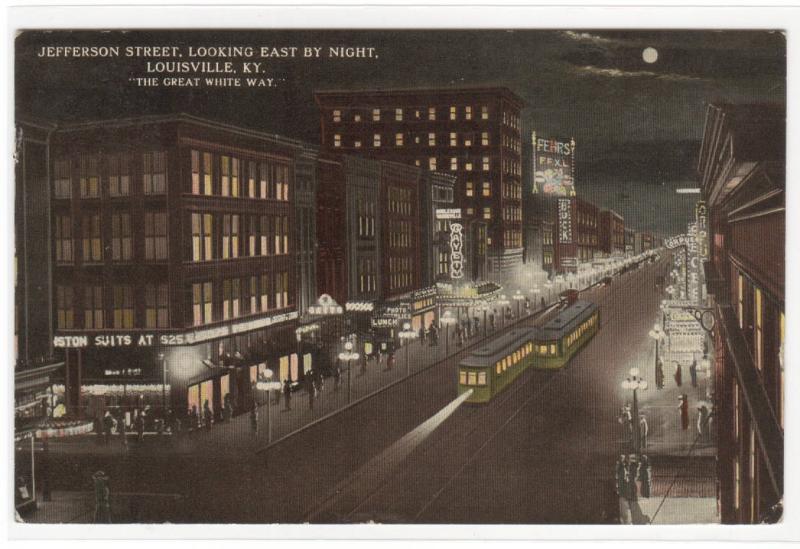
(553, 166)
(456, 254)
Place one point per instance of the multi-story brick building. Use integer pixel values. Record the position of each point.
(742, 172)
(586, 229)
(630, 239)
(436, 192)
(472, 133)
(611, 233)
(175, 260)
(643, 241)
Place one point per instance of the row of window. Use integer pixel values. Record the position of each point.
(366, 217)
(96, 240)
(240, 235)
(398, 114)
(401, 139)
(512, 143)
(116, 170)
(468, 165)
(576, 334)
(240, 297)
(511, 119)
(512, 238)
(238, 178)
(486, 188)
(367, 275)
(512, 213)
(511, 166)
(512, 189)
(399, 233)
(443, 265)
(399, 272)
(513, 358)
(105, 307)
(467, 377)
(400, 201)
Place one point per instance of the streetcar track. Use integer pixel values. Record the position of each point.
(485, 421)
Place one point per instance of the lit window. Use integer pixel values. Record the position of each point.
(484, 113)
(431, 139)
(468, 166)
(121, 237)
(487, 213)
(376, 115)
(468, 113)
(337, 140)
(470, 188)
(487, 188)
(376, 140)
(398, 114)
(453, 139)
(156, 312)
(337, 115)
(462, 377)
(759, 335)
(431, 113)
(485, 163)
(481, 378)
(155, 235)
(357, 143)
(119, 173)
(452, 113)
(123, 306)
(485, 139)
(62, 184)
(93, 307)
(356, 117)
(432, 163)
(453, 163)
(89, 177)
(154, 174)
(398, 139)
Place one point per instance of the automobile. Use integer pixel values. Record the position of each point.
(606, 281)
(568, 297)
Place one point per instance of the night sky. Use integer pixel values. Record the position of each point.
(637, 125)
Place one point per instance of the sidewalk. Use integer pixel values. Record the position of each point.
(236, 436)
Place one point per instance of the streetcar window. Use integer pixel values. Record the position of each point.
(553, 349)
(481, 378)
(497, 367)
(472, 378)
(462, 377)
(542, 349)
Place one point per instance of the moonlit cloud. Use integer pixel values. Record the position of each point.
(588, 37)
(591, 70)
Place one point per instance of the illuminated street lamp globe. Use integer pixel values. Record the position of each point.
(502, 300)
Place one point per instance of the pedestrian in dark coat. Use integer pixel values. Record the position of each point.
(693, 373)
(421, 334)
(175, 425)
(287, 394)
(678, 377)
(684, 408)
(702, 420)
(194, 418)
(643, 429)
(645, 476)
(254, 419)
(541, 303)
(227, 407)
(108, 427)
(622, 476)
(208, 415)
(337, 377)
(633, 474)
(122, 430)
(139, 422)
(390, 361)
(102, 506)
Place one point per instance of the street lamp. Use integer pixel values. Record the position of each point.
(348, 355)
(535, 291)
(518, 297)
(658, 335)
(407, 334)
(633, 382)
(448, 320)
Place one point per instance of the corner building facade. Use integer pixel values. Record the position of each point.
(470, 133)
(174, 262)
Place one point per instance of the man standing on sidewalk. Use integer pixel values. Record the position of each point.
(102, 507)
(287, 394)
(684, 408)
(693, 372)
(643, 429)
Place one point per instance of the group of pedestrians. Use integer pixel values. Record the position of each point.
(633, 476)
(111, 423)
(625, 419)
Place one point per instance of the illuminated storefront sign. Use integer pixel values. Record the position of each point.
(448, 213)
(456, 245)
(676, 241)
(701, 217)
(359, 306)
(151, 339)
(553, 166)
(564, 221)
(326, 305)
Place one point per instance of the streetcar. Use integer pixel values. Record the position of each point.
(493, 366)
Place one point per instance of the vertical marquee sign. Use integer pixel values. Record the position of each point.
(456, 240)
(553, 166)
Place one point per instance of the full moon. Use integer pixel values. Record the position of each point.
(650, 55)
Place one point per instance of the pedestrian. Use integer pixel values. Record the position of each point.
(311, 392)
(139, 423)
(102, 506)
(287, 394)
(622, 476)
(702, 421)
(626, 420)
(228, 407)
(541, 303)
(337, 377)
(254, 420)
(643, 429)
(421, 334)
(175, 425)
(693, 372)
(208, 415)
(645, 476)
(677, 376)
(633, 474)
(108, 427)
(659, 375)
(390, 361)
(121, 429)
(194, 418)
(684, 408)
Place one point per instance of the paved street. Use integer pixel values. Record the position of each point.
(379, 459)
